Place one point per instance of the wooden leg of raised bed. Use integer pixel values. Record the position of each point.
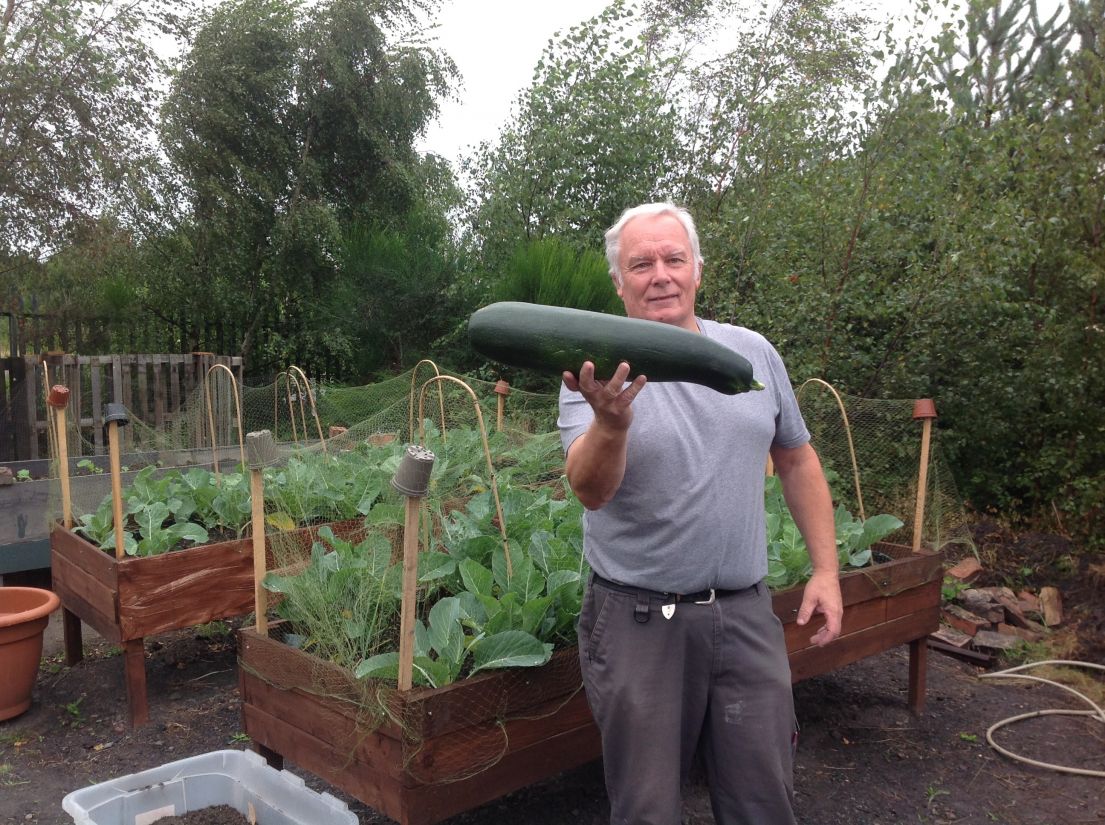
(71, 636)
(918, 670)
(134, 665)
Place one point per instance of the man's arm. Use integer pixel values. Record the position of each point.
(807, 495)
(596, 460)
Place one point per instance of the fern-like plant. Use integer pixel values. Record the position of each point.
(550, 271)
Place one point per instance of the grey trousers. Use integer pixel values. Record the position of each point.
(713, 679)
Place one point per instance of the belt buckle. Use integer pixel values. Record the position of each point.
(711, 600)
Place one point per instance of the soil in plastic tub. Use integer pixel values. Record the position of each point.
(213, 815)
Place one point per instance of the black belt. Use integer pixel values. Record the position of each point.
(700, 597)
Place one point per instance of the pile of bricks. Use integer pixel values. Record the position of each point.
(987, 619)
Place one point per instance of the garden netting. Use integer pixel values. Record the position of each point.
(500, 572)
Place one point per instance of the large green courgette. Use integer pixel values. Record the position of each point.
(557, 339)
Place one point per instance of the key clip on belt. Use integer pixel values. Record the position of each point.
(640, 610)
(711, 600)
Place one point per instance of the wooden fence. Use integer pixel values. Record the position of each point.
(25, 333)
(152, 387)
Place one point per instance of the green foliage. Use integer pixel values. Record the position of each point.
(476, 611)
(476, 616)
(549, 271)
(592, 134)
(166, 510)
(942, 243)
(788, 560)
(931, 230)
(345, 599)
(414, 264)
(951, 587)
(292, 129)
(78, 95)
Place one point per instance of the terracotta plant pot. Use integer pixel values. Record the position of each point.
(24, 613)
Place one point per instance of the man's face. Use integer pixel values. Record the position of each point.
(659, 273)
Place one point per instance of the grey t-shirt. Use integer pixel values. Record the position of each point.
(689, 513)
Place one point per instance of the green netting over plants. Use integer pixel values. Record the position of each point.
(871, 451)
(496, 536)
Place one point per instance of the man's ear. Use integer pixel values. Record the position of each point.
(617, 286)
(698, 276)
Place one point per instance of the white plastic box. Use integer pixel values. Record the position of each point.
(240, 779)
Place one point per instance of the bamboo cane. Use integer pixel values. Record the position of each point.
(440, 400)
(257, 518)
(314, 409)
(58, 400)
(287, 376)
(412, 480)
(261, 448)
(847, 432)
(486, 452)
(211, 419)
(502, 390)
(115, 418)
(300, 394)
(924, 410)
(410, 584)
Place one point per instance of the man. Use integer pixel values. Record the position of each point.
(680, 650)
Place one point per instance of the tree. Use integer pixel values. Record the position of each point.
(949, 245)
(287, 125)
(592, 135)
(79, 86)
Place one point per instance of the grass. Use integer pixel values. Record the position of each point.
(1083, 681)
(214, 630)
(52, 665)
(73, 709)
(1061, 645)
(8, 776)
(12, 739)
(932, 793)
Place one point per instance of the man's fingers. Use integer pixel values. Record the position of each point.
(804, 612)
(638, 384)
(823, 636)
(828, 631)
(586, 380)
(611, 398)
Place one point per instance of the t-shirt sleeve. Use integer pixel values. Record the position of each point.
(575, 417)
(790, 427)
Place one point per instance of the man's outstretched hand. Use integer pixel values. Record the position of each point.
(822, 595)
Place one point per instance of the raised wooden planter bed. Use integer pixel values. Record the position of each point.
(535, 722)
(886, 605)
(26, 507)
(126, 600)
(457, 747)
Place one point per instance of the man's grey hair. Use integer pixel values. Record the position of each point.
(614, 233)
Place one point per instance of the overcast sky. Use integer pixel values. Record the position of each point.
(496, 44)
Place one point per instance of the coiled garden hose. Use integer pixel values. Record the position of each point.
(1013, 673)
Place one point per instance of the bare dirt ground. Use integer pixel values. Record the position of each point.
(863, 758)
